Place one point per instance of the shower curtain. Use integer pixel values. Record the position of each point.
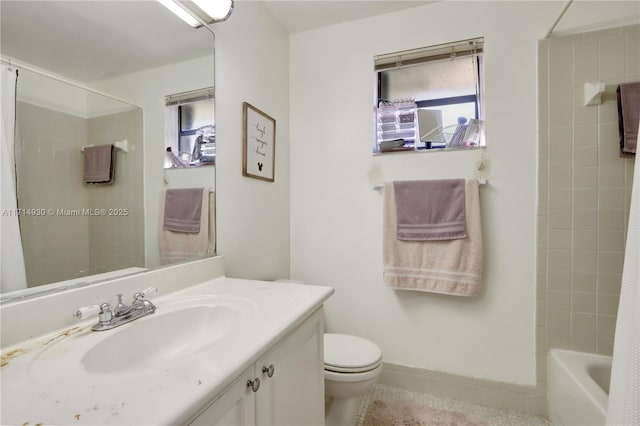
(624, 395)
(12, 270)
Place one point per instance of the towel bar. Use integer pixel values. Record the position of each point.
(380, 186)
(122, 145)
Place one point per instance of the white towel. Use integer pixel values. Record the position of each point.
(445, 266)
(180, 246)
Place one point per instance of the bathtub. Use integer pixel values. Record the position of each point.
(577, 387)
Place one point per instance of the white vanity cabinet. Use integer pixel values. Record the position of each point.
(223, 333)
(291, 390)
(235, 407)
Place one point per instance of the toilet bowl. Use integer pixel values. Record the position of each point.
(352, 366)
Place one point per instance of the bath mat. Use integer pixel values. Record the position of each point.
(392, 412)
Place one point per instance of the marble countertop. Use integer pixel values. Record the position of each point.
(44, 379)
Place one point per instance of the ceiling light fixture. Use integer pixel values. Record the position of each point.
(180, 12)
(196, 12)
(218, 10)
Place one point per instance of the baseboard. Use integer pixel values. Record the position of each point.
(506, 396)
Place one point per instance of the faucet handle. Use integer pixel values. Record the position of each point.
(146, 293)
(120, 307)
(149, 292)
(87, 311)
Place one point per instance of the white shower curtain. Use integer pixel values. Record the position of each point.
(624, 396)
(12, 271)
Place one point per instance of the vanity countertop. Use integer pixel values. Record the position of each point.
(44, 380)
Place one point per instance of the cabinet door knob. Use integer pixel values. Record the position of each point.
(254, 384)
(269, 370)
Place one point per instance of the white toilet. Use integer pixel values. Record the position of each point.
(352, 366)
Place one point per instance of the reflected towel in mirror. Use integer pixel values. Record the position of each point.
(99, 164)
(183, 209)
(181, 246)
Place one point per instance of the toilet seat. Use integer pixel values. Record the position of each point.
(344, 353)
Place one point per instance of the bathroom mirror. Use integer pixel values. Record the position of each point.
(96, 45)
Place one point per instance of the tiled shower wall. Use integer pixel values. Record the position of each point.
(116, 240)
(584, 190)
(48, 156)
(49, 162)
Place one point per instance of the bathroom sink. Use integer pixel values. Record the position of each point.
(178, 330)
(160, 338)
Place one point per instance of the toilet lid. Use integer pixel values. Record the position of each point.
(350, 354)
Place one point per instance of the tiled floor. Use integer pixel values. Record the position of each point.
(492, 416)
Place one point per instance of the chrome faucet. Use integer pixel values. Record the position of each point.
(121, 314)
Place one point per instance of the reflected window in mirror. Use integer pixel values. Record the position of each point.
(430, 98)
(190, 133)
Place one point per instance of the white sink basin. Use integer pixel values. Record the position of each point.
(160, 338)
(178, 330)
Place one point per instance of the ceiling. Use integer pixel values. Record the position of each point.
(92, 40)
(302, 15)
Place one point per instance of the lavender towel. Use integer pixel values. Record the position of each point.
(628, 95)
(99, 164)
(183, 210)
(429, 210)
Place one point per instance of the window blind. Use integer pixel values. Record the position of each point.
(191, 96)
(427, 54)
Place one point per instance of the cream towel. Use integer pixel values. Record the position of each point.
(447, 266)
(179, 246)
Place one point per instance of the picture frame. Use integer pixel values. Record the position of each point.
(258, 143)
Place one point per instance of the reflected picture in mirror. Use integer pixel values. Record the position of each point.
(87, 74)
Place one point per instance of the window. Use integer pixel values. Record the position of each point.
(430, 97)
(190, 133)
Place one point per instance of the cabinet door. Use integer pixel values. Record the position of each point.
(236, 406)
(294, 394)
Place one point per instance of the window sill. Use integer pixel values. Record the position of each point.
(424, 151)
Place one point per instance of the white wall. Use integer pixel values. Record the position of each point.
(336, 217)
(252, 65)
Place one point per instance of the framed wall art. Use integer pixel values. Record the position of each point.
(258, 143)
